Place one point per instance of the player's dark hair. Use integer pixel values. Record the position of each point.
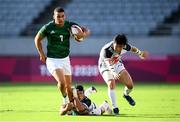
(58, 9)
(120, 39)
(79, 88)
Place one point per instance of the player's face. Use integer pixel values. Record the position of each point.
(117, 47)
(80, 94)
(59, 18)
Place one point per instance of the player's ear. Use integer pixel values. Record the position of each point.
(53, 16)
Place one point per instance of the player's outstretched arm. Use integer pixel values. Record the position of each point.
(37, 40)
(141, 54)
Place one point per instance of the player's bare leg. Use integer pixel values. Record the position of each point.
(126, 79)
(58, 74)
(68, 86)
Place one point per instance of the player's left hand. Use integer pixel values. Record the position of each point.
(144, 54)
(80, 35)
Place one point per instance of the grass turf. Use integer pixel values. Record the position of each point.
(40, 102)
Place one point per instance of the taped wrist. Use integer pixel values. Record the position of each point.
(138, 52)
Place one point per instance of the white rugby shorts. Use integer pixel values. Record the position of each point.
(106, 73)
(59, 63)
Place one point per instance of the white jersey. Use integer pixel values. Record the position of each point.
(107, 52)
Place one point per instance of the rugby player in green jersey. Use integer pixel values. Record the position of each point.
(58, 34)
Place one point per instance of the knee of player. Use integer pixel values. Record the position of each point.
(68, 86)
(61, 84)
(111, 84)
(130, 86)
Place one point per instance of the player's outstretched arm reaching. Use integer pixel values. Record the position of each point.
(141, 54)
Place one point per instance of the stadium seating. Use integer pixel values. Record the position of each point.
(107, 17)
(16, 14)
(176, 29)
(103, 17)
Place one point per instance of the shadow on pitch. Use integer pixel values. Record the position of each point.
(120, 115)
(146, 115)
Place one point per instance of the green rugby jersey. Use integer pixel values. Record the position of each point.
(58, 45)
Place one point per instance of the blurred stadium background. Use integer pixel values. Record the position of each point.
(152, 25)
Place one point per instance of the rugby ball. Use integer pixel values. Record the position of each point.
(75, 29)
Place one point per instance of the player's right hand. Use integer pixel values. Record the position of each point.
(43, 58)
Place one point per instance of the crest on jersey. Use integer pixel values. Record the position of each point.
(52, 32)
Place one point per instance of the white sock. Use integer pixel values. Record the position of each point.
(112, 96)
(65, 100)
(89, 91)
(127, 91)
